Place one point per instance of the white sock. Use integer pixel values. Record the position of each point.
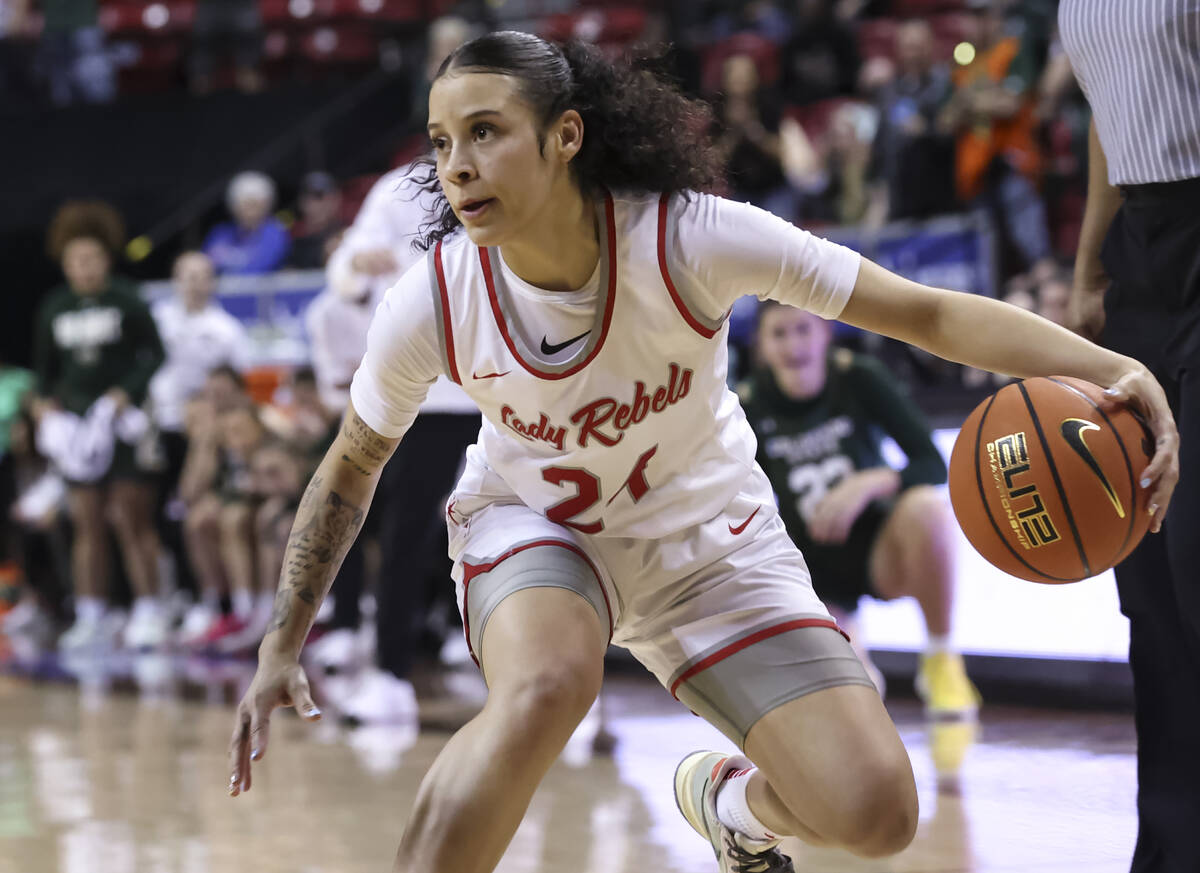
(733, 810)
(937, 644)
(89, 609)
(243, 603)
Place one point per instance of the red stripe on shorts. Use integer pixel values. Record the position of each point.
(470, 571)
(745, 642)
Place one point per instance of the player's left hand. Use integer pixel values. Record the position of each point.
(836, 513)
(1141, 390)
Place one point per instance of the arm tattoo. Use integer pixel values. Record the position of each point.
(322, 535)
(364, 440)
(354, 465)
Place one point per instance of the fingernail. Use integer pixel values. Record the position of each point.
(1111, 392)
(312, 710)
(1153, 508)
(256, 754)
(1146, 482)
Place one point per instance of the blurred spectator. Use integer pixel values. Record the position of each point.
(96, 348)
(72, 55)
(762, 17)
(223, 27)
(820, 60)
(1053, 295)
(35, 535)
(998, 162)
(299, 417)
(224, 389)
(198, 336)
(220, 530)
(912, 158)
(832, 176)
(747, 117)
(279, 475)
(17, 51)
(16, 387)
(254, 242)
(315, 236)
(410, 499)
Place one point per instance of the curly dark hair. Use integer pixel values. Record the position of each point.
(93, 219)
(641, 132)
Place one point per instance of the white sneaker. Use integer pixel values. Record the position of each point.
(381, 698)
(21, 617)
(149, 628)
(697, 779)
(102, 632)
(196, 622)
(336, 652)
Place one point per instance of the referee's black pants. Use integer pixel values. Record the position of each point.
(412, 494)
(1152, 254)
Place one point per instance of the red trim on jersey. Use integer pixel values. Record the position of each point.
(745, 642)
(696, 325)
(486, 262)
(451, 363)
(470, 571)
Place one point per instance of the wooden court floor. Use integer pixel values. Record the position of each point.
(119, 767)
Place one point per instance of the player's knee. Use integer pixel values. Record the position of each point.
(550, 695)
(879, 817)
(924, 505)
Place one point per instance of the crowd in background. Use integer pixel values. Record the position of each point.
(150, 505)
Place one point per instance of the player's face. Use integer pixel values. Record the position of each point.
(793, 343)
(195, 279)
(496, 176)
(85, 263)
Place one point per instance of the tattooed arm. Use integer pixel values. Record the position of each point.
(330, 515)
(327, 522)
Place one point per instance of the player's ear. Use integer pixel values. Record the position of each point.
(567, 135)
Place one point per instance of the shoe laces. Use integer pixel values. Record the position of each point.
(745, 861)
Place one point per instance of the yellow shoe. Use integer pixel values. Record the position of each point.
(943, 684)
(949, 742)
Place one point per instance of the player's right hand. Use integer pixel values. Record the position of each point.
(277, 682)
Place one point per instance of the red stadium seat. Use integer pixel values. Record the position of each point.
(618, 25)
(877, 38)
(340, 44)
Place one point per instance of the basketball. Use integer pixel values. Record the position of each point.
(1044, 482)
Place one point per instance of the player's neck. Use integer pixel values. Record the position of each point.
(558, 251)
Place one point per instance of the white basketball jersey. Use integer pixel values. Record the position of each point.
(635, 435)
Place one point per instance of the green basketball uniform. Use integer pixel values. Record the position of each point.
(808, 446)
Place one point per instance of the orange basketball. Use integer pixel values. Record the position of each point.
(1044, 482)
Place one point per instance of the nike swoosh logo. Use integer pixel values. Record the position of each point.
(490, 375)
(741, 527)
(1072, 430)
(548, 349)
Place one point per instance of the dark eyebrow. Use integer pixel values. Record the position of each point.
(471, 117)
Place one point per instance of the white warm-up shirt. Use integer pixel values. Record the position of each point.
(630, 429)
(196, 343)
(391, 217)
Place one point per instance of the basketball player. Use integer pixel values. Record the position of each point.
(613, 493)
(862, 527)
